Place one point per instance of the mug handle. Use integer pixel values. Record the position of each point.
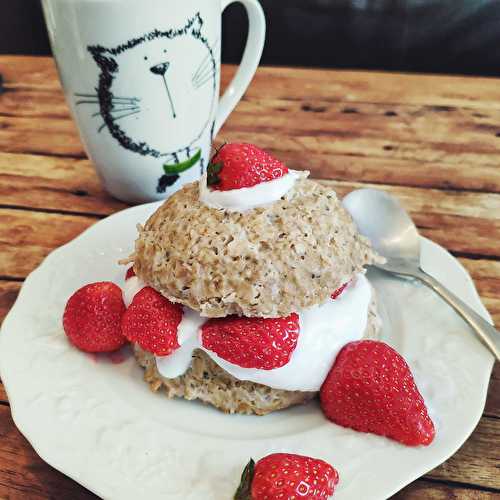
(250, 61)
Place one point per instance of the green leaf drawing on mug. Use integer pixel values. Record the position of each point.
(177, 168)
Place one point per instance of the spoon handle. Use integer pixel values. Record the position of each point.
(489, 335)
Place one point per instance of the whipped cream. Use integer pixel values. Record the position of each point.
(132, 286)
(324, 330)
(239, 200)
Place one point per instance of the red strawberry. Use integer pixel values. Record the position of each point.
(339, 290)
(371, 389)
(285, 476)
(151, 320)
(130, 273)
(236, 166)
(92, 317)
(263, 343)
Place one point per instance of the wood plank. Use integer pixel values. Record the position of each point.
(416, 133)
(24, 475)
(460, 221)
(467, 222)
(391, 170)
(49, 182)
(485, 271)
(22, 71)
(27, 237)
(33, 135)
(439, 491)
(386, 88)
(8, 295)
(308, 84)
(46, 103)
(476, 462)
(417, 146)
(492, 407)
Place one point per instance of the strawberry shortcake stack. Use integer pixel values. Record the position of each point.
(246, 285)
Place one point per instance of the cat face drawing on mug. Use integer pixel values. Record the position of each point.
(156, 95)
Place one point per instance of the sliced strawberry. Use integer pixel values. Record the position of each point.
(241, 165)
(339, 290)
(371, 389)
(152, 321)
(92, 317)
(264, 343)
(130, 273)
(285, 476)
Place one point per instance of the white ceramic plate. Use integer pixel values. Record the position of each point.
(97, 422)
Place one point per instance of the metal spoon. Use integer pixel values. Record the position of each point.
(381, 218)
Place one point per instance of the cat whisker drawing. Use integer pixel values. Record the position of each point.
(161, 70)
(206, 69)
(116, 118)
(200, 83)
(119, 110)
(115, 100)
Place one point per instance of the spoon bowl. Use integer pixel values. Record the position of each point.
(380, 217)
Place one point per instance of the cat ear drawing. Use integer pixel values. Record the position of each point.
(196, 24)
(103, 59)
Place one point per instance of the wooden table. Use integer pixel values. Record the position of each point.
(433, 141)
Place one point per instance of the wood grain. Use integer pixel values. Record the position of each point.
(8, 294)
(19, 72)
(27, 237)
(53, 183)
(24, 475)
(29, 135)
(410, 144)
(427, 490)
(414, 136)
(305, 85)
(477, 460)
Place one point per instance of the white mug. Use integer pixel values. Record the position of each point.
(142, 82)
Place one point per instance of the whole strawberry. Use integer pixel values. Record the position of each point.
(371, 389)
(285, 476)
(240, 165)
(92, 317)
(264, 343)
(151, 321)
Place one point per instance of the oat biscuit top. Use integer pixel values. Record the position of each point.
(267, 262)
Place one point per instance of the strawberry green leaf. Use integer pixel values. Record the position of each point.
(212, 173)
(244, 491)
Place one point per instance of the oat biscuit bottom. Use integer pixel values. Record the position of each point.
(266, 262)
(206, 381)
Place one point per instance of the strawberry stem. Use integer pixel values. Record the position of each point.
(217, 151)
(214, 167)
(244, 491)
(212, 173)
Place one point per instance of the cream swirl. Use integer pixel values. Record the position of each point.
(240, 200)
